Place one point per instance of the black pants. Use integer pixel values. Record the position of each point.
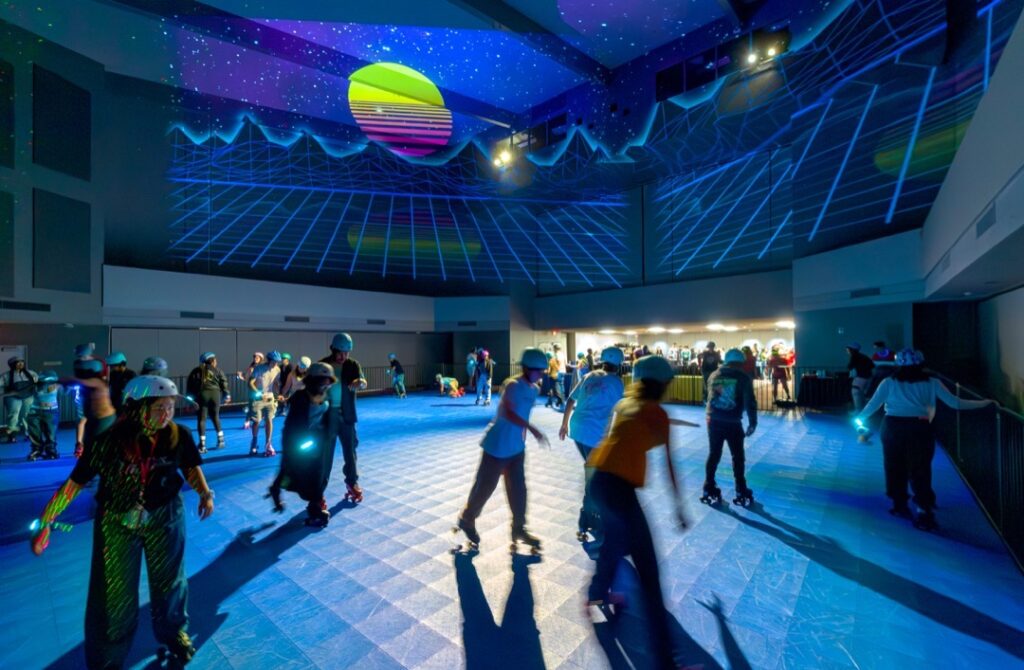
(209, 403)
(720, 433)
(487, 475)
(112, 609)
(346, 434)
(908, 445)
(626, 533)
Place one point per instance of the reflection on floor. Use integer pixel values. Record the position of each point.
(815, 576)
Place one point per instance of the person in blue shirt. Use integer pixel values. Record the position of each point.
(504, 451)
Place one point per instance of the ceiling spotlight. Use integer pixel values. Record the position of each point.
(752, 57)
(675, 331)
(788, 325)
(656, 330)
(505, 156)
(715, 327)
(771, 52)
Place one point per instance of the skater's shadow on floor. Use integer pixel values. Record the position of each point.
(515, 643)
(240, 562)
(625, 636)
(223, 458)
(938, 607)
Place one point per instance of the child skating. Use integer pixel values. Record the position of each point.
(307, 448)
(730, 394)
(504, 453)
(43, 417)
(397, 373)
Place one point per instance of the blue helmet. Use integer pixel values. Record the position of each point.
(274, 356)
(653, 367)
(116, 358)
(207, 357)
(83, 350)
(342, 342)
(533, 358)
(612, 355)
(392, 357)
(154, 365)
(734, 356)
(48, 377)
(853, 346)
(908, 357)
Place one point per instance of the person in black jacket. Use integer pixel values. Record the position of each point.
(118, 377)
(861, 369)
(730, 393)
(208, 386)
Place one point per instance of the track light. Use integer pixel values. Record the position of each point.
(752, 57)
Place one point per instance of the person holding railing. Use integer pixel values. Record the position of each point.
(908, 441)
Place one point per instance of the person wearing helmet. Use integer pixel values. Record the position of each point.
(484, 375)
(861, 369)
(731, 393)
(18, 385)
(296, 380)
(471, 359)
(504, 452)
(554, 394)
(88, 391)
(778, 368)
(118, 377)
(43, 418)
(154, 365)
(142, 462)
(257, 359)
(588, 412)
(708, 360)
(620, 462)
(448, 386)
(287, 370)
(208, 386)
(910, 397)
(264, 392)
(307, 446)
(343, 417)
(580, 370)
(397, 373)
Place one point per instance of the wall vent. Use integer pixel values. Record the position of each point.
(24, 306)
(197, 315)
(987, 220)
(466, 323)
(297, 319)
(376, 322)
(865, 292)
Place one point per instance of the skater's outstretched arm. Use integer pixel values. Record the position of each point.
(58, 503)
(197, 480)
(877, 400)
(680, 515)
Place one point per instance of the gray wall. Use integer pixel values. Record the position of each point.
(52, 346)
(822, 335)
(1000, 330)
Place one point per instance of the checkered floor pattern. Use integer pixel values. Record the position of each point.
(816, 576)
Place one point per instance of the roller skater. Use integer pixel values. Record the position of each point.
(504, 452)
(264, 385)
(118, 376)
(553, 390)
(397, 373)
(449, 386)
(257, 359)
(620, 459)
(154, 365)
(909, 396)
(484, 374)
(42, 419)
(730, 394)
(18, 386)
(588, 411)
(207, 386)
(140, 515)
(342, 416)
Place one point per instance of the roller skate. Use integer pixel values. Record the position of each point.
(587, 528)
(177, 653)
(318, 516)
(253, 449)
(274, 493)
(522, 536)
(472, 544)
(924, 519)
(247, 425)
(901, 510)
(202, 447)
(7, 437)
(220, 442)
(50, 453)
(712, 495)
(79, 449)
(744, 498)
(354, 493)
(268, 450)
(35, 454)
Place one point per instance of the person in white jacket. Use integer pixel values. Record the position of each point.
(908, 442)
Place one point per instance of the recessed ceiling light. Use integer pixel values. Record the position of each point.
(656, 330)
(606, 332)
(629, 332)
(730, 329)
(785, 324)
(675, 331)
(715, 326)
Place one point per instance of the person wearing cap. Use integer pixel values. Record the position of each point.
(208, 386)
(484, 375)
(397, 373)
(708, 360)
(504, 451)
(264, 392)
(639, 424)
(257, 359)
(307, 447)
(118, 376)
(588, 411)
(910, 396)
(343, 416)
(43, 418)
(295, 381)
(142, 462)
(860, 368)
(730, 395)
(18, 385)
(154, 365)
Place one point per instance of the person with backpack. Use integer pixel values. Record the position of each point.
(18, 385)
(208, 386)
(731, 395)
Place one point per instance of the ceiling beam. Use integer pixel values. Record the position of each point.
(507, 18)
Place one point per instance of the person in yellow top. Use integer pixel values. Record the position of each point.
(553, 389)
(620, 460)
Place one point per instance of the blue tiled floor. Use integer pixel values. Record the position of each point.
(818, 576)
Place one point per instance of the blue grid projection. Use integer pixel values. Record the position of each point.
(846, 140)
(248, 201)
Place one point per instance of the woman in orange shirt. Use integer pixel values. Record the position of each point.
(620, 461)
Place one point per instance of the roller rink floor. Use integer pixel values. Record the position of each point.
(817, 575)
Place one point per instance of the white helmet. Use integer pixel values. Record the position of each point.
(150, 386)
(305, 362)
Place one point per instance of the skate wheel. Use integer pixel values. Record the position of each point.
(581, 535)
